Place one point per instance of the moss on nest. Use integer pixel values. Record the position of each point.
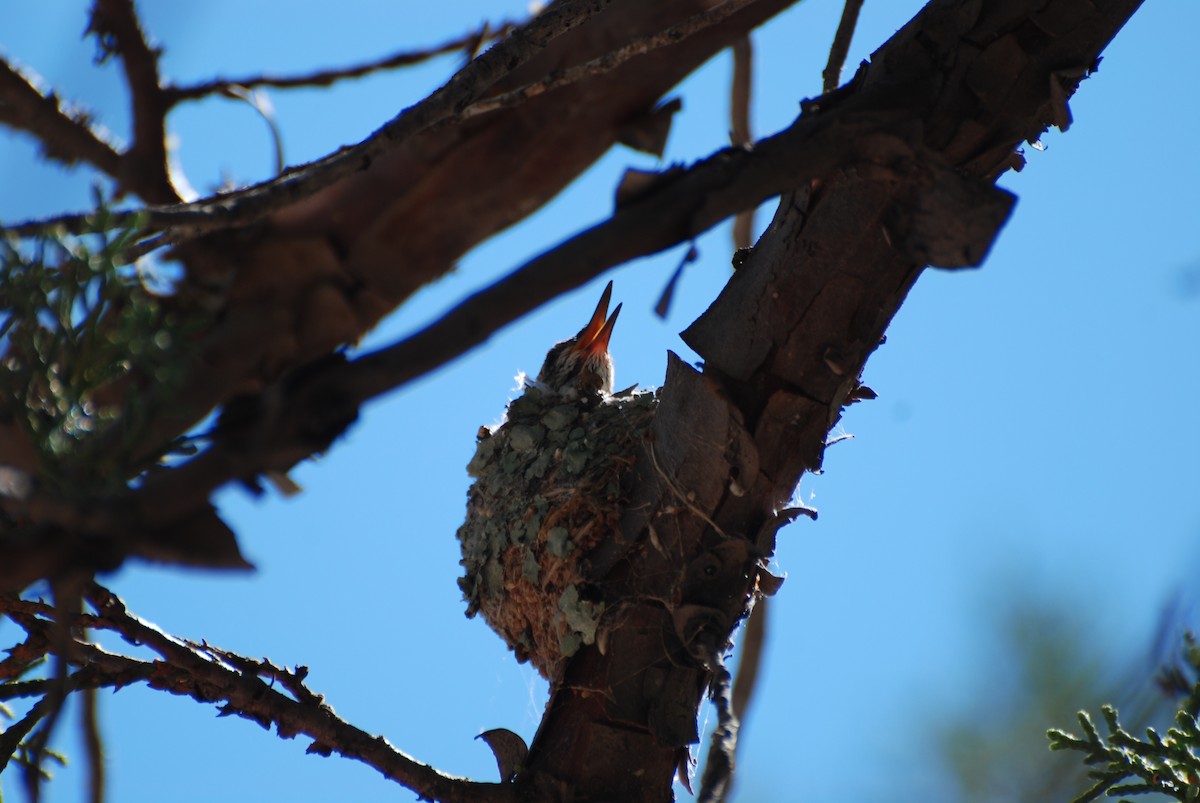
(548, 490)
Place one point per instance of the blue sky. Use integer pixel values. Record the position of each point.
(1035, 430)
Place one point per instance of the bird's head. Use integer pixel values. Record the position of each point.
(582, 365)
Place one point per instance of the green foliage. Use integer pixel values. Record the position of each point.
(1128, 765)
(81, 332)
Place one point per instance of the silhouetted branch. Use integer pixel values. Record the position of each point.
(740, 135)
(94, 744)
(841, 45)
(245, 206)
(65, 133)
(285, 426)
(606, 63)
(246, 687)
(717, 779)
(144, 168)
(468, 44)
(753, 642)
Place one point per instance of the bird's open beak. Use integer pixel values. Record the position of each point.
(595, 336)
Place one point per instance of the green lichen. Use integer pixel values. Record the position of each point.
(558, 541)
(548, 488)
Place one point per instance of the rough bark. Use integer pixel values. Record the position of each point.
(323, 271)
(320, 272)
(881, 178)
(955, 93)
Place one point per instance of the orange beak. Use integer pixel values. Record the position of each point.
(595, 336)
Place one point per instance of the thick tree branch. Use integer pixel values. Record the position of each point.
(144, 165)
(864, 128)
(237, 208)
(783, 348)
(71, 527)
(278, 430)
(841, 45)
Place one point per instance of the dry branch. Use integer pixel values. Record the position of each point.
(246, 206)
(468, 45)
(880, 178)
(307, 413)
(783, 347)
(740, 91)
(241, 686)
(606, 63)
(451, 105)
(65, 133)
(832, 73)
(144, 520)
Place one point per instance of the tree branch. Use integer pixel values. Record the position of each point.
(841, 45)
(243, 207)
(783, 347)
(468, 44)
(251, 204)
(606, 63)
(66, 134)
(309, 411)
(740, 91)
(242, 686)
(144, 165)
(865, 128)
(286, 426)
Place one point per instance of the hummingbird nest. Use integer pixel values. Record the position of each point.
(549, 486)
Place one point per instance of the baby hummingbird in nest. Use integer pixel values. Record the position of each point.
(582, 365)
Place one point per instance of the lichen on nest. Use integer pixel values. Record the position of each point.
(548, 489)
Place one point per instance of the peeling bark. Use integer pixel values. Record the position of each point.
(887, 174)
(325, 270)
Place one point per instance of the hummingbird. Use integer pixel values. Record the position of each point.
(581, 365)
(550, 482)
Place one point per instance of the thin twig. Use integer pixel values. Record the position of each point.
(212, 675)
(51, 707)
(12, 736)
(262, 105)
(67, 607)
(744, 685)
(841, 45)
(740, 135)
(468, 44)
